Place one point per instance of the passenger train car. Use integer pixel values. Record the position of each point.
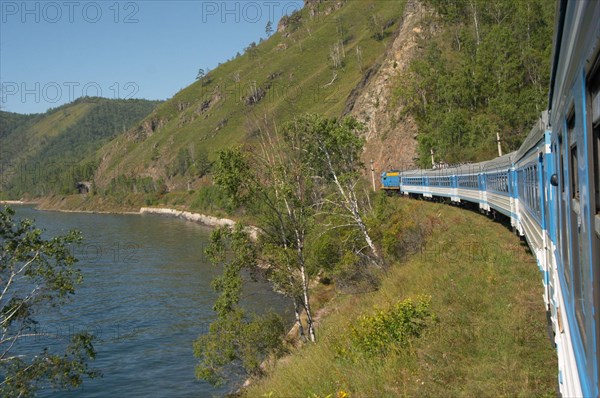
(550, 191)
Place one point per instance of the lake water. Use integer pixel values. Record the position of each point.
(146, 296)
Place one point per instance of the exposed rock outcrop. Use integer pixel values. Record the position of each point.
(391, 138)
(146, 129)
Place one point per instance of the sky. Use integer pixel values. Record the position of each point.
(52, 52)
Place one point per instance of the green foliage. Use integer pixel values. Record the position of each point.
(233, 174)
(379, 27)
(324, 251)
(234, 338)
(402, 232)
(190, 162)
(486, 71)
(333, 146)
(211, 199)
(123, 185)
(269, 28)
(36, 273)
(332, 150)
(11, 122)
(392, 328)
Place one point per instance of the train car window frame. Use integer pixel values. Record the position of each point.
(563, 239)
(574, 160)
(574, 221)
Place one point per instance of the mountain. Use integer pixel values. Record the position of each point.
(422, 75)
(318, 61)
(47, 153)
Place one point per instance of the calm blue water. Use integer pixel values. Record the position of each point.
(146, 296)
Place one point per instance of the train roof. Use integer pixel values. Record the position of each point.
(536, 135)
(499, 163)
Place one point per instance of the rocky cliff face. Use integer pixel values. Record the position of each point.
(391, 138)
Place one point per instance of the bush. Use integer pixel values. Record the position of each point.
(392, 328)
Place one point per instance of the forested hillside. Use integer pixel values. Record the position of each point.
(483, 68)
(47, 153)
(9, 122)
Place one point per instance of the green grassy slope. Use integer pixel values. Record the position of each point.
(489, 338)
(42, 154)
(292, 70)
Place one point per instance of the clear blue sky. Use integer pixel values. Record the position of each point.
(52, 52)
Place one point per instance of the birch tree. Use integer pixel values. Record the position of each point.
(274, 188)
(236, 341)
(294, 191)
(333, 149)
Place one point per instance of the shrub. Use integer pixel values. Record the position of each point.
(392, 328)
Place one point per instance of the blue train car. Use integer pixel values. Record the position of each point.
(574, 199)
(550, 190)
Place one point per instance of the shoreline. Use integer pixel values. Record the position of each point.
(203, 219)
(209, 221)
(17, 202)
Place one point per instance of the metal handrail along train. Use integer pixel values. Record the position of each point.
(550, 191)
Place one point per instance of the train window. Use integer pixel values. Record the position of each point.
(574, 173)
(596, 170)
(573, 156)
(574, 217)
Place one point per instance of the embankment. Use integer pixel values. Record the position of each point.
(488, 337)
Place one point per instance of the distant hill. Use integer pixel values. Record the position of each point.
(42, 154)
(10, 122)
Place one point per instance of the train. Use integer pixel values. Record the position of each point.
(549, 189)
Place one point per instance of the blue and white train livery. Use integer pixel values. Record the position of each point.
(550, 191)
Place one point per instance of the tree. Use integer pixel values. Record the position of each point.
(234, 340)
(293, 192)
(269, 28)
(333, 151)
(310, 166)
(482, 73)
(201, 162)
(262, 186)
(36, 274)
(376, 27)
(252, 50)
